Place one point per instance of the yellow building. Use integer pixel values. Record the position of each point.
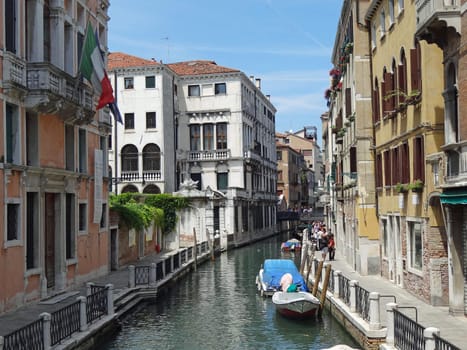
(408, 109)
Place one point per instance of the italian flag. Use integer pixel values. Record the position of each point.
(92, 68)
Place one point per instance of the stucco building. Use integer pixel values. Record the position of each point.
(53, 151)
(408, 114)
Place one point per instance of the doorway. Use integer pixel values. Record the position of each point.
(50, 222)
(113, 249)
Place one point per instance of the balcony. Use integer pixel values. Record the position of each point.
(52, 91)
(435, 16)
(456, 166)
(196, 156)
(14, 75)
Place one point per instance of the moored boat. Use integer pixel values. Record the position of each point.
(269, 276)
(291, 245)
(295, 304)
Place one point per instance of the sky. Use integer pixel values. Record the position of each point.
(286, 43)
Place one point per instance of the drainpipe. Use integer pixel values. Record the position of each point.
(115, 138)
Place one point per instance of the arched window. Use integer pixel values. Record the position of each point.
(451, 106)
(129, 189)
(152, 189)
(129, 158)
(151, 157)
(416, 69)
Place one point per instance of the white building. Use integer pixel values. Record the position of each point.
(145, 157)
(200, 121)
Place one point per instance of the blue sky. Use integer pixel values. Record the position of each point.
(288, 44)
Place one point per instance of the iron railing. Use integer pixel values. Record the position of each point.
(363, 302)
(141, 275)
(443, 344)
(408, 334)
(64, 322)
(29, 337)
(96, 305)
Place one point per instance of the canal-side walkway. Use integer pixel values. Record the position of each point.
(452, 328)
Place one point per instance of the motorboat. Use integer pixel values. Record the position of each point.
(291, 245)
(268, 280)
(295, 304)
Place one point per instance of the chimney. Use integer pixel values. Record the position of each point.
(268, 97)
(258, 83)
(252, 78)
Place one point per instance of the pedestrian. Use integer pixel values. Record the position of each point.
(323, 243)
(331, 247)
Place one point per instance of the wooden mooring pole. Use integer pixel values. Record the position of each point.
(317, 278)
(322, 299)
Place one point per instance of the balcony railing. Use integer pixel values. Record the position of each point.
(51, 90)
(456, 166)
(433, 14)
(152, 175)
(14, 73)
(209, 155)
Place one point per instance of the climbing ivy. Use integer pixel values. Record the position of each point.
(140, 211)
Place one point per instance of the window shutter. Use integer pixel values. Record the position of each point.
(414, 70)
(348, 102)
(378, 170)
(383, 94)
(392, 100)
(373, 106)
(353, 159)
(395, 166)
(401, 83)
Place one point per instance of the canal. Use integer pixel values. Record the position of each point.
(218, 307)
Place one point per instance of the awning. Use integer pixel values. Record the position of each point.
(454, 196)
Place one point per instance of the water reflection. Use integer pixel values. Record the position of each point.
(218, 307)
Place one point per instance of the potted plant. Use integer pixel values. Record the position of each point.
(402, 188)
(417, 186)
(347, 124)
(352, 117)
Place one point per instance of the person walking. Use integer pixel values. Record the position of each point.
(331, 247)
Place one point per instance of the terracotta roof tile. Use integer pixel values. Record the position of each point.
(199, 67)
(123, 60)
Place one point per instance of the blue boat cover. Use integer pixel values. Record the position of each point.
(274, 269)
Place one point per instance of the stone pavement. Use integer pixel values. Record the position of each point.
(453, 329)
(24, 315)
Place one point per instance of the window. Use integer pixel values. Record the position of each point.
(419, 159)
(373, 36)
(129, 121)
(13, 216)
(195, 144)
(382, 23)
(151, 157)
(279, 155)
(348, 102)
(353, 161)
(415, 245)
(221, 136)
(220, 88)
(376, 104)
(70, 147)
(128, 83)
(12, 136)
(208, 137)
(83, 217)
(415, 69)
(385, 242)
(401, 6)
(10, 25)
(70, 226)
(82, 148)
(103, 222)
(379, 170)
(405, 163)
(150, 82)
(391, 12)
(105, 155)
(193, 90)
(402, 78)
(32, 230)
(150, 120)
(387, 168)
(197, 178)
(129, 158)
(451, 97)
(222, 181)
(32, 134)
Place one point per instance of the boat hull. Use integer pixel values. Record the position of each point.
(296, 304)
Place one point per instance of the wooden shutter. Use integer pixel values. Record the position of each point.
(392, 100)
(348, 102)
(383, 94)
(415, 69)
(419, 159)
(401, 74)
(379, 170)
(395, 166)
(387, 169)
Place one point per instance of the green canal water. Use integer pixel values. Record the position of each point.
(218, 307)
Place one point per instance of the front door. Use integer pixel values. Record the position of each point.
(50, 239)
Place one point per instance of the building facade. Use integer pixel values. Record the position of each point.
(445, 24)
(53, 151)
(408, 115)
(350, 139)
